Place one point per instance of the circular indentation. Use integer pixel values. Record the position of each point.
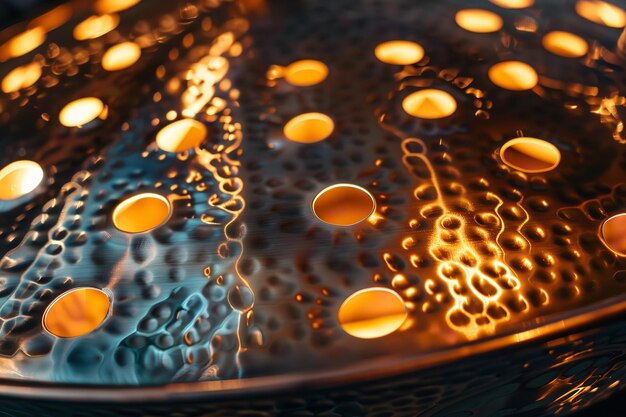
(429, 103)
(181, 135)
(121, 56)
(513, 4)
(113, 6)
(399, 52)
(309, 128)
(601, 12)
(95, 26)
(21, 77)
(372, 313)
(343, 204)
(613, 232)
(530, 155)
(80, 112)
(478, 20)
(19, 178)
(76, 312)
(513, 75)
(142, 213)
(565, 44)
(306, 72)
(22, 43)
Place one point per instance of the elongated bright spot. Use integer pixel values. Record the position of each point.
(565, 44)
(429, 103)
(372, 312)
(306, 72)
(80, 112)
(95, 26)
(142, 213)
(181, 135)
(19, 178)
(478, 20)
(54, 18)
(513, 75)
(513, 4)
(113, 6)
(343, 204)
(309, 128)
(21, 77)
(601, 12)
(530, 155)
(76, 312)
(399, 52)
(22, 43)
(121, 56)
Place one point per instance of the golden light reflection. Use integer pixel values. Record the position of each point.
(399, 52)
(343, 204)
(22, 43)
(21, 77)
(95, 26)
(565, 44)
(181, 135)
(113, 6)
(601, 12)
(142, 213)
(54, 18)
(19, 178)
(613, 232)
(81, 111)
(121, 56)
(306, 72)
(309, 128)
(76, 312)
(372, 313)
(513, 75)
(478, 20)
(530, 155)
(513, 4)
(429, 103)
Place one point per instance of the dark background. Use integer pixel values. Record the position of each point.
(12, 11)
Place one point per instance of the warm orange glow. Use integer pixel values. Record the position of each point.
(113, 6)
(19, 178)
(121, 56)
(343, 204)
(429, 103)
(76, 312)
(565, 44)
(54, 18)
(95, 26)
(80, 112)
(530, 155)
(22, 43)
(21, 77)
(513, 4)
(371, 313)
(513, 75)
(601, 12)
(181, 135)
(309, 128)
(613, 232)
(306, 72)
(141, 213)
(399, 52)
(478, 20)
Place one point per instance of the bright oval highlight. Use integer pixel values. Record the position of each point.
(76, 312)
(95, 26)
(513, 75)
(306, 73)
(565, 44)
(371, 313)
(530, 155)
(343, 204)
(80, 112)
(121, 56)
(141, 213)
(22, 43)
(309, 128)
(54, 18)
(601, 12)
(513, 4)
(429, 103)
(613, 232)
(181, 135)
(399, 52)
(21, 77)
(113, 6)
(19, 178)
(478, 20)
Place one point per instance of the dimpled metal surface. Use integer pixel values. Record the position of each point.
(243, 283)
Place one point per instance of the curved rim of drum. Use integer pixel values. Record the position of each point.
(371, 370)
